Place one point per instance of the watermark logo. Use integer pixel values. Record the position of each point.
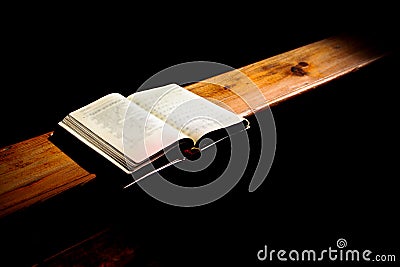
(341, 243)
(243, 89)
(339, 253)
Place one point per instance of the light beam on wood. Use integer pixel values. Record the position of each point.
(34, 170)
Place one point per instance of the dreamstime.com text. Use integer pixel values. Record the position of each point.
(338, 253)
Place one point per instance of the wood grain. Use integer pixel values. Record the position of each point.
(108, 247)
(267, 82)
(34, 170)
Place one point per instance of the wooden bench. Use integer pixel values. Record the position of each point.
(34, 171)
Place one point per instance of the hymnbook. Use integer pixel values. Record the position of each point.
(136, 130)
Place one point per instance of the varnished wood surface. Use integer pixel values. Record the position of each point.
(35, 170)
(267, 82)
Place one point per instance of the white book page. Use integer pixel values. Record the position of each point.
(126, 126)
(189, 113)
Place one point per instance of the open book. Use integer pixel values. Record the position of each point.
(136, 130)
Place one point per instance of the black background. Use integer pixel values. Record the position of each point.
(335, 169)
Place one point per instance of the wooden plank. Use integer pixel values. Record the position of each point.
(281, 77)
(34, 170)
(109, 247)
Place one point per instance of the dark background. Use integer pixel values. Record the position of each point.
(334, 174)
